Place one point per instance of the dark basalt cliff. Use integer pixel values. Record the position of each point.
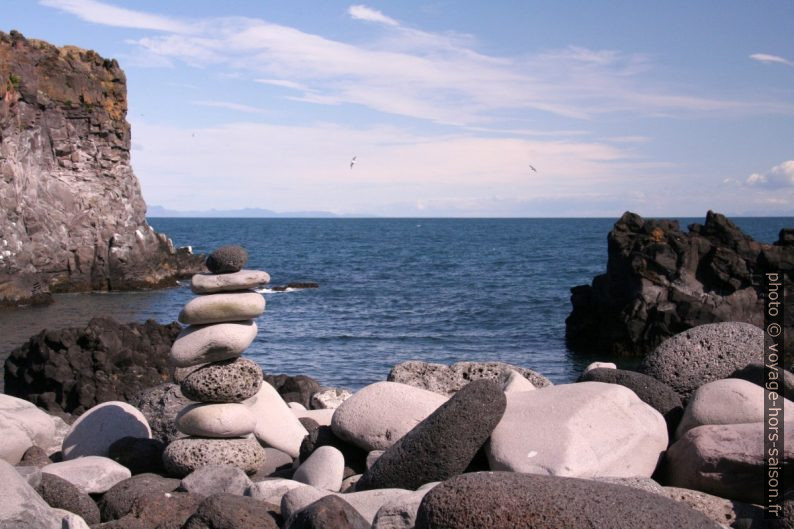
(72, 217)
(661, 281)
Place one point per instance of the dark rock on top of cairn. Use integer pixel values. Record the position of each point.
(227, 259)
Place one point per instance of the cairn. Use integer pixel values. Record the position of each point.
(210, 370)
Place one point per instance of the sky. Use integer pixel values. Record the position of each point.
(662, 108)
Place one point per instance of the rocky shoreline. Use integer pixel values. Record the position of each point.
(72, 217)
(211, 441)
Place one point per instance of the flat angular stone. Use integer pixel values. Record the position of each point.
(442, 445)
(235, 281)
(99, 427)
(507, 500)
(323, 469)
(580, 430)
(199, 344)
(215, 479)
(90, 474)
(20, 505)
(704, 353)
(225, 307)
(727, 401)
(216, 420)
(330, 398)
(225, 381)
(446, 380)
(599, 365)
(377, 415)
(183, 456)
(276, 425)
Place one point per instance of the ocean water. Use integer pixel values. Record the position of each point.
(439, 290)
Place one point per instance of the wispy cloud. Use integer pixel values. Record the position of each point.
(767, 58)
(439, 77)
(362, 12)
(228, 105)
(779, 176)
(109, 15)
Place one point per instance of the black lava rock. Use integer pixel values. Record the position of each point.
(786, 519)
(309, 423)
(355, 457)
(442, 445)
(160, 405)
(227, 511)
(138, 454)
(507, 500)
(298, 389)
(169, 510)
(71, 370)
(227, 259)
(755, 373)
(329, 512)
(35, 457)
(657, 395)
(61, 494)
(119, 500)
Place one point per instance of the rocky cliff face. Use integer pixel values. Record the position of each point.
(72, 217)
(661, 281)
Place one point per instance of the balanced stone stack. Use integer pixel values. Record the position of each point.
(210, 370)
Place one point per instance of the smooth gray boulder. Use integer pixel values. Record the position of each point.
(199, 344)
(15, 443)
(24, 417)
(446, 380)
(232, 282)
(580, 430)
(276, 425)
(20, 506)
(216, 420)
(756, 373)
(183, 456)
(324, 469)
(727, 401)
(99, 427)
(377, 415)
(725, 460)
(90, 474)
(516, 382)
(223, 307)
(703, 354)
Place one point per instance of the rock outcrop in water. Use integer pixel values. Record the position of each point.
(72, 217)
(661, 281)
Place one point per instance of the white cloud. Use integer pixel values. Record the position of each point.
(779, 176)
(767, 58)
(362, 12)
(231, 106)
(109, 15)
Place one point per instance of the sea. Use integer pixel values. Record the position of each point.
(390, 290)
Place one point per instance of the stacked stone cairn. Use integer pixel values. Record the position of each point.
(210, 370)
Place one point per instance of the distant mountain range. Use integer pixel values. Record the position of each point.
(160, 211)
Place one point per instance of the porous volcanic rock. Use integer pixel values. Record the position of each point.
(661, 281)
(446, 380)
(329, 512)
(703, 354)
(506, 500)
(61, 494)
(227, 511)
(118, 501)
(226, 381)
(442, 445)
(73, 369)
(183, 456)
(227, 259)
(160, 405)
(72, 217)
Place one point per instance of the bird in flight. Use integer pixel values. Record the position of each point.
(533, 168)
(353, 162)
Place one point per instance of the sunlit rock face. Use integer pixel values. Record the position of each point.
(72, 217)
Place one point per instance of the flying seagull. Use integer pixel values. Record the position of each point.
(533, 168)
(353, 162)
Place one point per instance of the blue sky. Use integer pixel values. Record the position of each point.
(663, 108)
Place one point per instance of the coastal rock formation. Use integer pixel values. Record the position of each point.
(72, 217)
(73, 369)
(660, 281)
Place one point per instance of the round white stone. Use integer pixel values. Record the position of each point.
(216, 420)
(323, 469)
